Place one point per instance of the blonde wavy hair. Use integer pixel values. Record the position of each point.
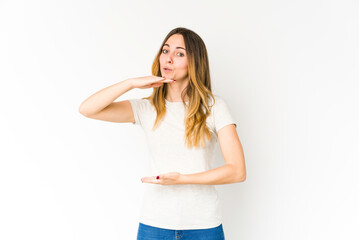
(198, 89)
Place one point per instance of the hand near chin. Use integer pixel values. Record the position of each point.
(170, 178)
(149, 81)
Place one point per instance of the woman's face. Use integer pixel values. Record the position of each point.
(174, 57)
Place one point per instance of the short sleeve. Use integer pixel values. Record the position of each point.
(222, 114)
(138, 109)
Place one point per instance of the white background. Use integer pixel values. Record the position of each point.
(288, 70)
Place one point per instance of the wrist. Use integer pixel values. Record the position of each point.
(128, 82)
(184, 179)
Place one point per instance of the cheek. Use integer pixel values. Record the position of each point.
(184, 65)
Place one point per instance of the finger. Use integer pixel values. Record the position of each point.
(161, 78)
(169, 80)
(165, 79)
(153, 179)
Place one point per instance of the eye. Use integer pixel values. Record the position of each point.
(182, 55)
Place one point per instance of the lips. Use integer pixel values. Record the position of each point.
(167, 69)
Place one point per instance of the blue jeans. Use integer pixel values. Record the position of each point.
(147, 232)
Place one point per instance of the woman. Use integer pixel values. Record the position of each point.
(182, 121)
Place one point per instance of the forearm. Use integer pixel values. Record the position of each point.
(225, 174)
(104, 97)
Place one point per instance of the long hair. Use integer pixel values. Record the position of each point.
(198, 89)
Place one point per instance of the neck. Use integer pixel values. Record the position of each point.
(174, 91)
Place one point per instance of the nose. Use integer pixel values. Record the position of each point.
(168, 58)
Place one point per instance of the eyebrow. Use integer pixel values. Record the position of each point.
(176, 47)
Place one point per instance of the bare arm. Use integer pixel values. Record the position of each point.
(225, 174)
(103, 98)
(101, 105)
(233, 171)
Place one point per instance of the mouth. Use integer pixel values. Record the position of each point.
(167, 69)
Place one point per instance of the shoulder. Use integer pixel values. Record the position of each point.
(221, 113)
(140, 104)
(139, 101)
(219, 101)
(142, 110)
(215, 107)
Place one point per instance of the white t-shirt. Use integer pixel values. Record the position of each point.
(185, 206)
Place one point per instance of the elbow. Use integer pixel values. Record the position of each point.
(83, 111)
(241, 177)
(239, 174)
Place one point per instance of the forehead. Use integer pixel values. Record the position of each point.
(176, 40)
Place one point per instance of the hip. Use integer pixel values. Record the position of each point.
(148, 232)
